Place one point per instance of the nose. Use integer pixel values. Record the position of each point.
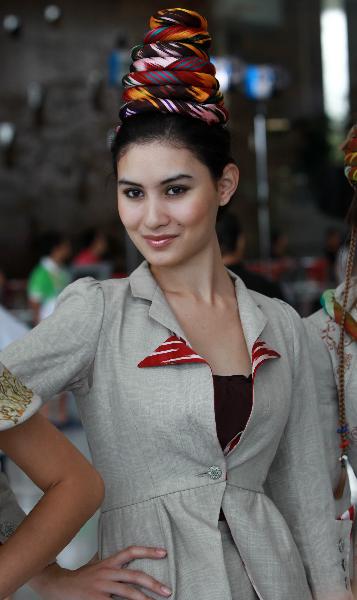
(155, 214)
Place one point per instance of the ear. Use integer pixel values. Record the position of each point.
(228, 183)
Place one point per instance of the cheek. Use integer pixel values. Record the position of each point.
(196, 213)
(129, 213)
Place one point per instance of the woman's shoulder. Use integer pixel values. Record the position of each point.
(318, 319)
(275, 308)
(93, 291)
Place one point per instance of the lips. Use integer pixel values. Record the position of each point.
(159, 241)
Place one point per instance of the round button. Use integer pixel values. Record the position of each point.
(214, 472)
(341, 545)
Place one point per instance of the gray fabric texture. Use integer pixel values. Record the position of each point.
(153, 438)
(323, 336)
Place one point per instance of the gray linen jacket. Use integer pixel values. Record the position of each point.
(152, 435)
(323, 336)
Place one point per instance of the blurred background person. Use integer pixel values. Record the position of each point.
(11, 329)
(232, 242)
(332, 245)
(279, 245)
(46, 282)
(50, 276)
(94, 250)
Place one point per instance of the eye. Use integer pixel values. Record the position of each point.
(133, 193)
(176, 190)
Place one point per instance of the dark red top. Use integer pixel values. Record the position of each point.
(232, 405)
(233, 401)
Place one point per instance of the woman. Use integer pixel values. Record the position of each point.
(163, 365)
(72, 489)
(332, 333)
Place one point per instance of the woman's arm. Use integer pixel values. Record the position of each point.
(72, 492)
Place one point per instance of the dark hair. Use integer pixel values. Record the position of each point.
(228, 231)
(211, 144)
(50, 240)
(89, 236)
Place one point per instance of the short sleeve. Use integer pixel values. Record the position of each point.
(56, 355)
(39, 287)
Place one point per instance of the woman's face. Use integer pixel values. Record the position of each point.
(168, 201)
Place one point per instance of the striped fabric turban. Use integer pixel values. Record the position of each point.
(350, 150)
(171, 71)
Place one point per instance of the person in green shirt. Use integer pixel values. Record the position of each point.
(50, 276)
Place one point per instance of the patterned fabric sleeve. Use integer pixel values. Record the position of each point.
(17, 402)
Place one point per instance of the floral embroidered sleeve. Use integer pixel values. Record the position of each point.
(17, 402)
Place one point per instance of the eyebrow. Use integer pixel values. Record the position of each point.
(164, 182)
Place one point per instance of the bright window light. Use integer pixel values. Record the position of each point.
(335, 71)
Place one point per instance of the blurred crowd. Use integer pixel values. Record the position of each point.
(61, 260)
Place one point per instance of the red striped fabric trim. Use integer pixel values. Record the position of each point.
(260, 354)
(348, 515)
(174, 351)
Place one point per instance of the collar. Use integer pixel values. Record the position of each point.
(143, 285)
(48, 263)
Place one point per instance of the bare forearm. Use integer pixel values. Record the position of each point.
(44, 581)
(48, 528)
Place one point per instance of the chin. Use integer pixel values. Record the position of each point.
(160, 260)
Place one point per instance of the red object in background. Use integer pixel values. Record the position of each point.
(86, 257)
(274, 269)
(316, 269)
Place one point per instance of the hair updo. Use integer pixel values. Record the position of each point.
(210, 144)
(171, 93)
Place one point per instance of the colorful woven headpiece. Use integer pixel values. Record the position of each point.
(171, 71)
(350, 150)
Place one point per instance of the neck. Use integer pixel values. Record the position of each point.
(231, 259)
(202, 277)
(56, 259)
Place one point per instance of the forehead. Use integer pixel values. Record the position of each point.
(157, 161)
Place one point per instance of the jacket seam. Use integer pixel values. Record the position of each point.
(117, 507)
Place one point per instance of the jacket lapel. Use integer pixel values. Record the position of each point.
(175, 349)
(254, 322)
(260, 354)
(143, 285)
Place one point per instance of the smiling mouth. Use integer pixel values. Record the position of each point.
(159, 241)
